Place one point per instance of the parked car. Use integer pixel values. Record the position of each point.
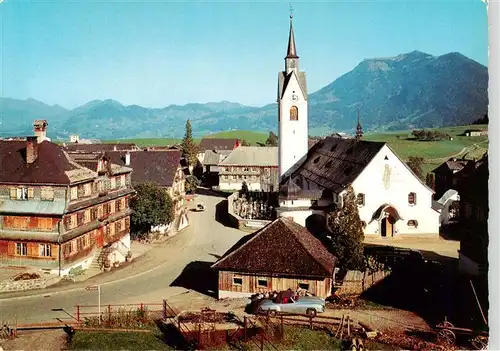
(200, 207)
(288, 302)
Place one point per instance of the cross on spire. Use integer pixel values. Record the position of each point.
(291, 10)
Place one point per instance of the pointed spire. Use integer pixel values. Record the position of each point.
(359, 129)
(292, 51)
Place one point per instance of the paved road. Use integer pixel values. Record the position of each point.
(162, 265)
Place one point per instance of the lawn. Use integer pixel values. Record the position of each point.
(86, 340)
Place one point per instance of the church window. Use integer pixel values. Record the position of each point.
(412, 199)
(294, 113)
(386, 158)
(328, 164)
(412, 223)
(360, 199)
(316, 160)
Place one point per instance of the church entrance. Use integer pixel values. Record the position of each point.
(387, 226)
(387, 216)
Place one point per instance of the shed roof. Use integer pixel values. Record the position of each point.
(282, 247)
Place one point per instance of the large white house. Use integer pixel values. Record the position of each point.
(392, 200)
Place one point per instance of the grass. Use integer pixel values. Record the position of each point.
(86, 340)
(301, 338)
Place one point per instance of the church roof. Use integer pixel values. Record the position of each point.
(291, 191)
(284, 79)
(281, 247)
(334, 163)
(292, 50)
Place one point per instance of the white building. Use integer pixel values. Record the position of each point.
(292, 110)
(257, 166)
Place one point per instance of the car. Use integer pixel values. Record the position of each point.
(200, 207)
(291, 303)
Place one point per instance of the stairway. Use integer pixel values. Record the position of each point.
(97, 261)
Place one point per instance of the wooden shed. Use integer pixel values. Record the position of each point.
(282, 255)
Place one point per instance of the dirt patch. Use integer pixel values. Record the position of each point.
(53, 340)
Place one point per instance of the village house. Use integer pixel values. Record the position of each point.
(282, 255)
(392, 201)
(476, 132)
(216, 144)
(211, 161)
(257, 166)
(55, 214)
(444, 175)
(163, 167)
(472, 182)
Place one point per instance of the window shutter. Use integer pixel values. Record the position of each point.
(13, 193)
(30, 193)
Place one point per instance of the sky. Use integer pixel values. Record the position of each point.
(158, 53)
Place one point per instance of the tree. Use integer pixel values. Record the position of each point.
(192, 183)
(272, 139)
(244, 142)
(151, 206)
(188, 146)
(415, 164)
(429, 180)
(347, 234)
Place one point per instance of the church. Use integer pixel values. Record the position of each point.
(393, 202)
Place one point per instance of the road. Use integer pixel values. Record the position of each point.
(204, 236)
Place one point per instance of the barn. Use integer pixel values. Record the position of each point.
(282, 255)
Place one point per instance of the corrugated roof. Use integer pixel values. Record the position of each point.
(56, 207)
(281, 247)
(214, 157)
(253, 156)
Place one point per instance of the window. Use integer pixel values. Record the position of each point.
(246, 169)
(412, 199)
(87, 189)
(234, 177)
(304, 286)
(226, 177)
(113, 182)
(294, 113)
(22, 193)
(118, 205)
(237, 281)
(74, 193)
(386, 158)
(316, 160)
(45, 224)
(45, 250)
(79, 218)
(47, 194)
(87, 215)
(360, 199)
(262, 283)
(100, 186)
(80, 243)
(21, 249)
(412, 223)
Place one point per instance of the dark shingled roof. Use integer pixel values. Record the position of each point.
(150, 166)
(282, 247)
(333, 163)
(452, 164)
(217, 144)
(89, 148)
(52, 166)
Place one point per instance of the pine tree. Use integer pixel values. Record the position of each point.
(347, 234)
(189, 148)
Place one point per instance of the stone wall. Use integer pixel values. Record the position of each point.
(10, 285)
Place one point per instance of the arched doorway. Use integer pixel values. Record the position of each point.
(387, 216)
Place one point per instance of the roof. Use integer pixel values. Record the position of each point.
(55, 207)
(281, 247)
(334, 163)
(52, 166)
(253, 156)
(284, 78)
(452, 164)
(291, 191)
(292, 50)
(90, 148)
(214, 157)
(217, 144)
(159, 166)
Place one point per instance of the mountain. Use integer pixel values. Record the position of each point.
(412, 90)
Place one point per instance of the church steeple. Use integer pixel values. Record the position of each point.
(291, 59)
(359, 129)
(292, 51)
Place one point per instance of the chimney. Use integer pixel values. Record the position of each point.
(31, 149)
(127, 159)
(40, 128)
(114, 148)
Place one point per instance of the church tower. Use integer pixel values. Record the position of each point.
(292, 110)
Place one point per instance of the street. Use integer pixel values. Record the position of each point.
(146, 280)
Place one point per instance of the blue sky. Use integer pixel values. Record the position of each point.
(157, 53)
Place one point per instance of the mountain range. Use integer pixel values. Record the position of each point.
(412, 90)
